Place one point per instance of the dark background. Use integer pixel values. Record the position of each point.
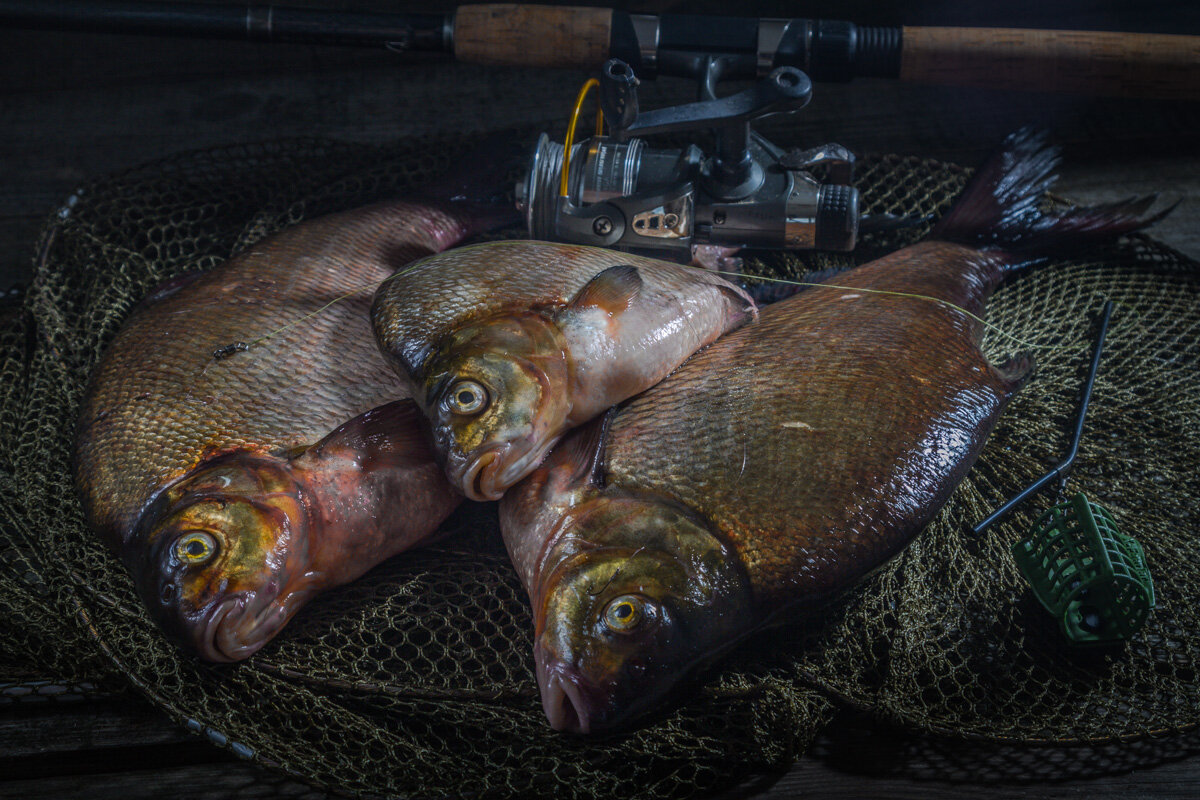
(75, 106)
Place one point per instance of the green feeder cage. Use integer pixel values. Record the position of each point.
(1091, 577)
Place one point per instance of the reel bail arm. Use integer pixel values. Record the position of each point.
(745, 193)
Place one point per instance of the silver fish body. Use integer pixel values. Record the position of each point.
(507, 345)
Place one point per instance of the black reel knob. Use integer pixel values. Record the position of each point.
(837, 217)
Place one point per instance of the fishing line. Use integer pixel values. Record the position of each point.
(240, 347)
(588, 85)
(912, 296)
(616, 573)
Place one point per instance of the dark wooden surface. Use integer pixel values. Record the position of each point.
(120, 748)
(74, 106)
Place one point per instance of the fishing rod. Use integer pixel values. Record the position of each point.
(1147, 65)
(614, 189)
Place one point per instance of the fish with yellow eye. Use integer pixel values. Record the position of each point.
(243, 446)
(508, 345)
(782, 464)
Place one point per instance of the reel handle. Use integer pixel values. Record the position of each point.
(731, 173)
(785, 89)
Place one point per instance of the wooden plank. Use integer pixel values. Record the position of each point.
(810, 780)
(221, 781)
(818, 782)
(75, 106)
(53, 729)
(1175, 179)
(855, 757)
(18, 240)
(52, 143)
(859, 757)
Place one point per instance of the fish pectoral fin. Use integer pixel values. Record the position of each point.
(744, 309)
(1015, 371)
(295, 452)
(582, 454)
(612, 290)
(385, 433)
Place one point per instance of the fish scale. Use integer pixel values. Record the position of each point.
(243, 445)
(508, 345)
(283, 393)
(824, 398)
(485, 280)
(783, 463)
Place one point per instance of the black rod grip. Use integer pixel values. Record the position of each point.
(842, 50)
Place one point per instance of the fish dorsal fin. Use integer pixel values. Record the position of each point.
(390, 432)
(582, 454)
(612, 290)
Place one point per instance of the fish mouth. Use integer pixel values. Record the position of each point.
(569, 703)
(237, 627)
(209, 641)
(494, 471)
(521, 466)
(478, 480)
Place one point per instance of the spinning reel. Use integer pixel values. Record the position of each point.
(617, 191)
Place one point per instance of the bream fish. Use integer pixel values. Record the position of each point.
(780, 465)
(507, 345)
(236, 475)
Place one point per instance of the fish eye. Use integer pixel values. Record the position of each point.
(466, 397)
(625, 613)
(195, 548)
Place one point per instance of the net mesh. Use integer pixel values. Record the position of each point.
(417, 680)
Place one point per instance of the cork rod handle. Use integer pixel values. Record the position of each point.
(532, 36)
(1092, 62)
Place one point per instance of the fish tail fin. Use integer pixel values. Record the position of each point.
(482, 180)
(1000, 205)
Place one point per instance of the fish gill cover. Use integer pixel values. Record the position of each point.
(417, 680)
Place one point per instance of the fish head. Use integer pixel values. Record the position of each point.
(222, 558)
(497, 397)
(641, 594)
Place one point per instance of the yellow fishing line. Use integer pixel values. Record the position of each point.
(338, 299)
(588, 85)
(908, 295)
